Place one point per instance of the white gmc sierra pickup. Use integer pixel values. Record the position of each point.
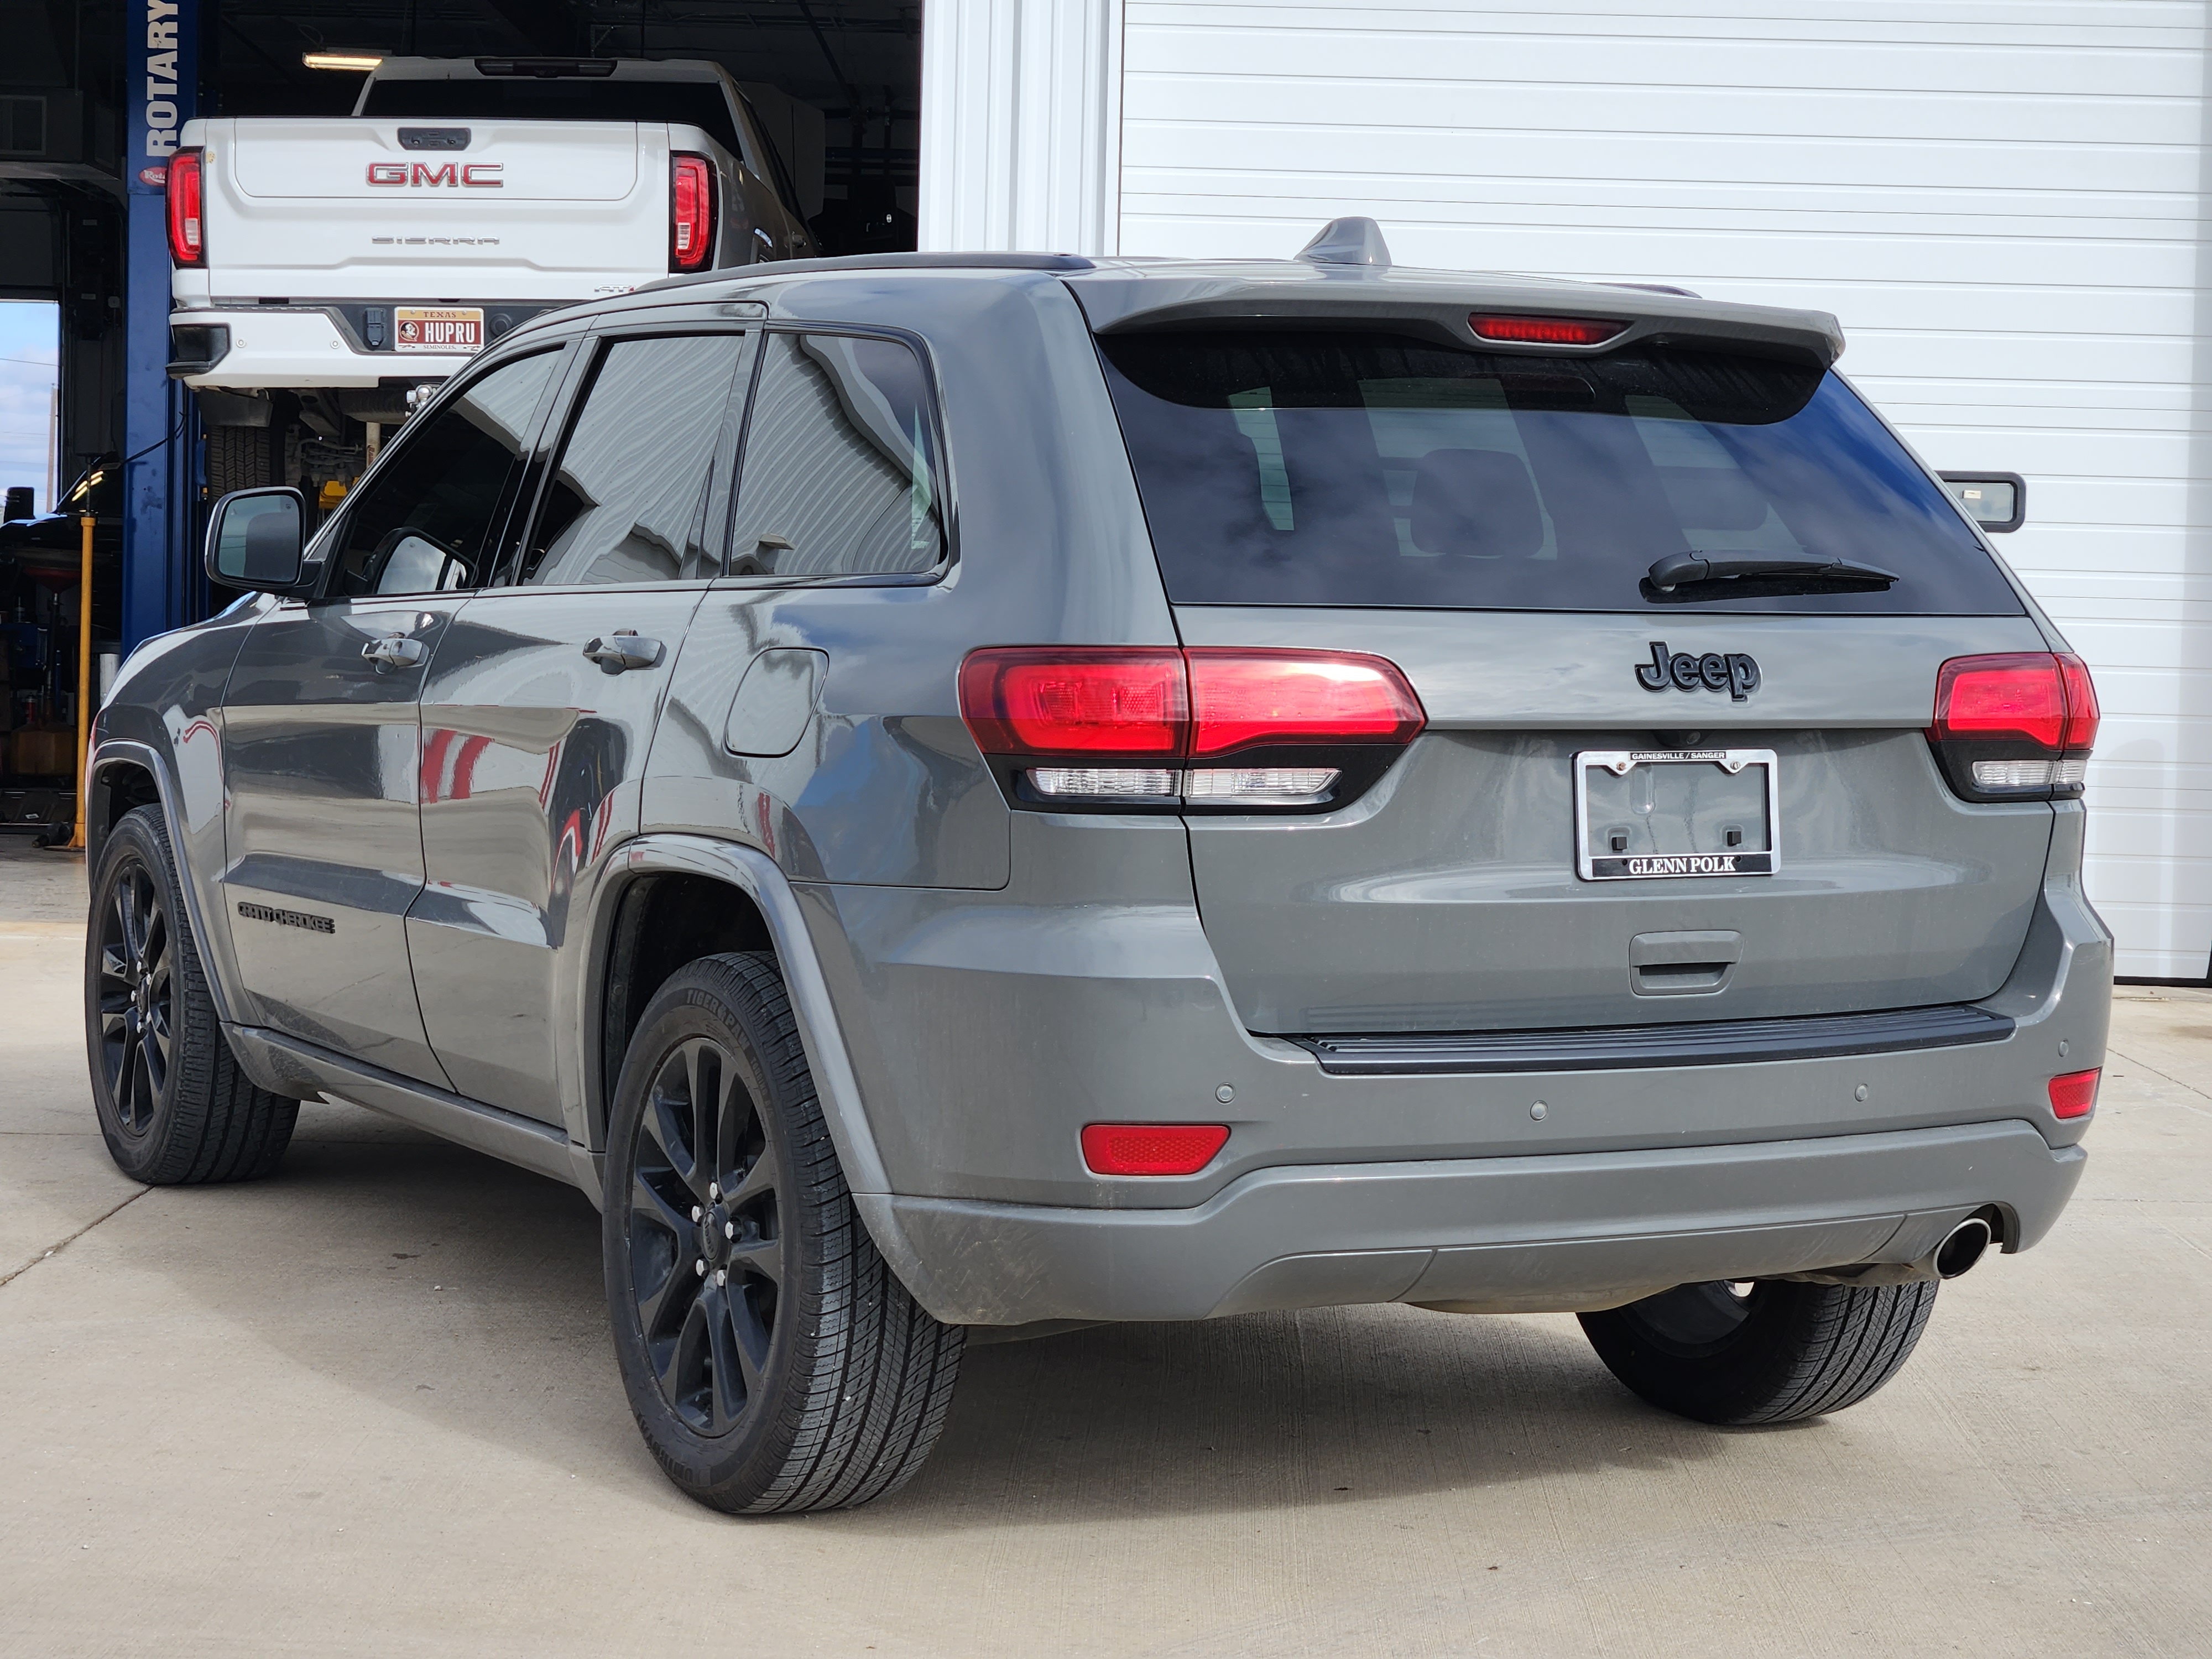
(325, 269)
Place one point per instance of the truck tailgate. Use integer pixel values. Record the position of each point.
(345, 209)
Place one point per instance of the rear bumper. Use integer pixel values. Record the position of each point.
(272, 349)
(1529, 1234)
(983, 1033)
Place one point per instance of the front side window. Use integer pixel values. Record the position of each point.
(430, 520)
(840, 467)
(626, 503)
(1370, 469)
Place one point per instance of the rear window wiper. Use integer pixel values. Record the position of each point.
(1677, 569)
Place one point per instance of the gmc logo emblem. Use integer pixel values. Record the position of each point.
(474, 176)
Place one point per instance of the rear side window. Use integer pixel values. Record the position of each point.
(839, 468)
(626, 503)
(1360, 469)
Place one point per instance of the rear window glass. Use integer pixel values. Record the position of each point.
(688, 103)
(1361, 469)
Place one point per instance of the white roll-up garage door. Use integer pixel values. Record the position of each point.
(2004, 202)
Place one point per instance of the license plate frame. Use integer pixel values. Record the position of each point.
(1593, 863)
(430, 329)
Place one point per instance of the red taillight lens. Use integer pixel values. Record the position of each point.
(2018, 727)
(2019, 696)
(1023, 701)
(2082, 715)
(691, 212)
(1242, 699)
(1544, 331)
(1152, 1148)
(187, 225)
(2074, 1095)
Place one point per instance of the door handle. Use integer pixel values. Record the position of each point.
(624, 649)
(394, 651)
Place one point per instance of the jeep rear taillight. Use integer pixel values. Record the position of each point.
(187, 225)
(691, 212)
(1240, 699)
(2016, 726)
(1076, 702)
(1082, 728)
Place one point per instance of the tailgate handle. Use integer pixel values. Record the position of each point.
(1684, 964)
(433, 137)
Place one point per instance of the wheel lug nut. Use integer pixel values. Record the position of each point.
(696, 1212)
(712, 1191)
(721, 1277)
(700, 1266)
(729, 1230)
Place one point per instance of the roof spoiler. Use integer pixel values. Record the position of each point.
(1343, 278)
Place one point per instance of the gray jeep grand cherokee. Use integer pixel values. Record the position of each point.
(964, 795)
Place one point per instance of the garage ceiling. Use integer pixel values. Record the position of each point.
(831, 54)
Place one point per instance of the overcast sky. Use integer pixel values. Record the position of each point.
(27, 356)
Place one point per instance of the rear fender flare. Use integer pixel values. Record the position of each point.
(756, 875)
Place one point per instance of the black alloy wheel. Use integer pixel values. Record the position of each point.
(137, 998)
(173, 1106)
(772, 1360)
(706, 1250)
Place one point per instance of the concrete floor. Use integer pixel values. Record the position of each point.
(368, 1407)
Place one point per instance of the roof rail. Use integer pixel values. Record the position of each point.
(880, 262)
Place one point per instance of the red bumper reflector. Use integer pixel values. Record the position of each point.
(1152, 1148)
(1544, 331)
(2074, 1095)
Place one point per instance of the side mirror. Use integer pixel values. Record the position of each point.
(1996, 501)
(254, 540)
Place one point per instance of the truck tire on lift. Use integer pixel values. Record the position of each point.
(240, 458)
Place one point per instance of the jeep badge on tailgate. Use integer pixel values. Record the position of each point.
(1737, 673)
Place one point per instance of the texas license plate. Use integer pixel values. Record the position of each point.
(1647, 813)
(437, 328)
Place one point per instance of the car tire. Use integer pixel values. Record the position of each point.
(772, 1361)
(1775, 1350)
(173, 1106)
(240, 458)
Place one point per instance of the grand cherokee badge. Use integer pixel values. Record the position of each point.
(1737, 673)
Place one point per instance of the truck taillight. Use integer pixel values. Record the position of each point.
(691, 212)
(1089, 727)
(187, 227)
(2016, 726)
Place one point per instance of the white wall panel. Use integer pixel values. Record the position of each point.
(2005, 201)
(1021, 126)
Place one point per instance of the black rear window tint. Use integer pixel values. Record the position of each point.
(1363, 468)
(690, 103)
